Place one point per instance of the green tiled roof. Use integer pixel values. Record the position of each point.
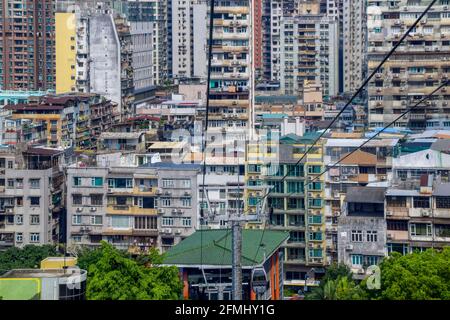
(217, 247)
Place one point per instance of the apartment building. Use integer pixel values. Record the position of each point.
(354, 44)
(419, 66)
(309, 52)
(294, 204)
(71, 120)
(31, 196)
(231, 66)
(27, 60)
(369, 166)
(133, 207)
(362, 229)
(418, 218)
(189, 39)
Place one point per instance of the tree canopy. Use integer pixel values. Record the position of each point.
(417, 276)
(337, 284)
(113, 275)
(28, 257)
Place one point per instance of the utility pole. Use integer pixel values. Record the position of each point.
(236, 239)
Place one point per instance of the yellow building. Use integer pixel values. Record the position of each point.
(295, 204)
(65, 52)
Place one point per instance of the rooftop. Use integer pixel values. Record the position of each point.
(167, 145)
(217, 251)
(360, 158)
(120, 135)
(365, 195)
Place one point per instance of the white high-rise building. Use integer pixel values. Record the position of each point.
(189, 38)
(355, 44)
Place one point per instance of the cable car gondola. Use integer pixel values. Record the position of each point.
(259, 280)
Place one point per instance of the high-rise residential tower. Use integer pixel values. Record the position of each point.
(27, 49)
(418, 67)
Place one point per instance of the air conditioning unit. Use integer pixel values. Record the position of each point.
(79, 209)
(158, 191)
(311, 245)
(389, 236)
(109, 190)
(178, 231)
(361, 271)
(161, 211)
(167, 230)
(388, 213)
(349, 247)
(426, 213)
(9, 211)
(93, 209)
(187, 193)
(174, 211)
(179, 211)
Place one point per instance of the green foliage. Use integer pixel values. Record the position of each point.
(112, 275)
(417, 276)
(29, 257)
(337, 284)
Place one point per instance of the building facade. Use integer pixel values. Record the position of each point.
(27, 60)
(420, 65)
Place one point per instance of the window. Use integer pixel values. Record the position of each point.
(186, 202)
(19, 183)
(421, 202)
(77, 199)
(442, 202)
(400, 225)
(166, 202)
(314, 169)
(77, 181)
(35, 183)
(186, 222)
(372, 236)
(167, 222)
(357, 259)
(97, 181)
(315, 253)
(315, 236)
(372, 260)
(19, 201)
(34, 237)
(34, 219)
(11, 183)
(185, 183)
(145, 223)
(76, 219)
(168, 183)
(120, 222)
(96, 220)
(19, 237)
(420, 229)
(34, 201)
(10, 165)
(19, 219)
(96, 199)
(76, 239)
(314, 219)
(357, 236)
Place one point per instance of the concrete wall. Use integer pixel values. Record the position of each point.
(105, 68)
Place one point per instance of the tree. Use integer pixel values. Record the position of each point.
(29, 257)
(114, 276)
(417, 276)
(337, 284)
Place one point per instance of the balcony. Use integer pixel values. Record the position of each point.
(396, 235)
(130, 210)
(145, 190)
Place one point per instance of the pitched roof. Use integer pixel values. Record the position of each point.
(360, 158)
(216, 247)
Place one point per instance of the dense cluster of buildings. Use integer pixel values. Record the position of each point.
(102, 120)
